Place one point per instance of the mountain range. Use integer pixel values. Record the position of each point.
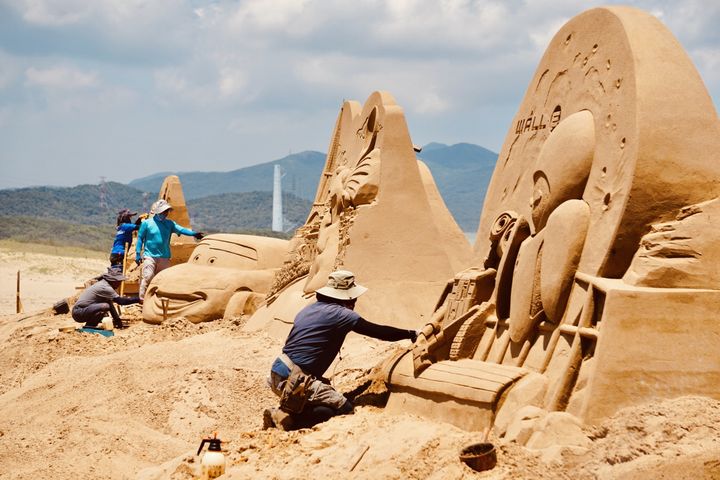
(461, 171)
(241, 200)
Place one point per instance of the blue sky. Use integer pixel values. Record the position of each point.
(126, 88)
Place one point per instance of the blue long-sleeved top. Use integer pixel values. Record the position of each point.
(122, 237)
(154, 235)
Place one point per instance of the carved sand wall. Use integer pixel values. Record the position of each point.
(377, 213)
(595, 273)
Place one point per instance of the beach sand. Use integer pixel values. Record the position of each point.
(136, 405)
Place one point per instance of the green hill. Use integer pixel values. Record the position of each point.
(51, 231)
(230, 212)
(72, 216)
(301, 174)
(241, 201)
(81, 204)
(461, 171)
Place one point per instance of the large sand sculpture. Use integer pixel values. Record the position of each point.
(377, 212)
(227, 275)
(596, 278)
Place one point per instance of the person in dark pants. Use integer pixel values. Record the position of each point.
(123, 236)
(97, 300)
(318, 333)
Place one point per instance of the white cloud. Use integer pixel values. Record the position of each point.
(66, 78)
(231, 82)
(205, 83)
(430, 103)
(54, 13)
(126, 13)
(268, 15)
(10, 70)
(248, 63)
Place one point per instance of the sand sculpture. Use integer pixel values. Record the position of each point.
(227, 275)
(596, 278)
(180, 246)
(377, 212)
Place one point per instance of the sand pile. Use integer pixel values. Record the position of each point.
(137, 404)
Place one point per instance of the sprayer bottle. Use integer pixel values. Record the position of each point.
(213, 462)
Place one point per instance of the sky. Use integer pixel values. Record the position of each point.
(121, 89)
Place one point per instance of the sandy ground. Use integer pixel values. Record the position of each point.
(136, 405)
(47, 274)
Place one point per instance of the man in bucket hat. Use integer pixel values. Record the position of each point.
(319, 330)
(97, 300)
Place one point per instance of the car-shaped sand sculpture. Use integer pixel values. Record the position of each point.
(227, 275)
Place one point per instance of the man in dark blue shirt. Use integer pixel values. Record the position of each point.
(315, 340)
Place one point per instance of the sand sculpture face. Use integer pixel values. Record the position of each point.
(377, 213)
(227, 275)
(578, 302)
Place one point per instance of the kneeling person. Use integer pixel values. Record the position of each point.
(97, 300)
(318, 333)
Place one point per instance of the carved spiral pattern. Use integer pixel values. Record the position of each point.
(502, 223)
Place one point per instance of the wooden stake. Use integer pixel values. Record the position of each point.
(18, 302)
(359, 453)
(122, 284)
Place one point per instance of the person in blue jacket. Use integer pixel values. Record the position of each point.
(152, 248)
(123, 237)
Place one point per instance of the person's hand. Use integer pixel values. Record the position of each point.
(414, 335)
(199, 235)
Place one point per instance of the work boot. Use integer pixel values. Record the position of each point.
(119, 324)
(276, 418)
(267, 419)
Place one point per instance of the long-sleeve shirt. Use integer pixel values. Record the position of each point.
(154, 235)
(102, 292)
(320, 330)
(122, 237)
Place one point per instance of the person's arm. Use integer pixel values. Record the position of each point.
(383, 332)
(140, 240)
(120, 300)
(186, 231)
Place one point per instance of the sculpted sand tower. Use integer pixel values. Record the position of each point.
(377, 213)
(570, 307)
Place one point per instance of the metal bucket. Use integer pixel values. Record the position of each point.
(479, 456)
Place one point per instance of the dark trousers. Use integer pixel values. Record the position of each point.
(90, 315)
(93, 314)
